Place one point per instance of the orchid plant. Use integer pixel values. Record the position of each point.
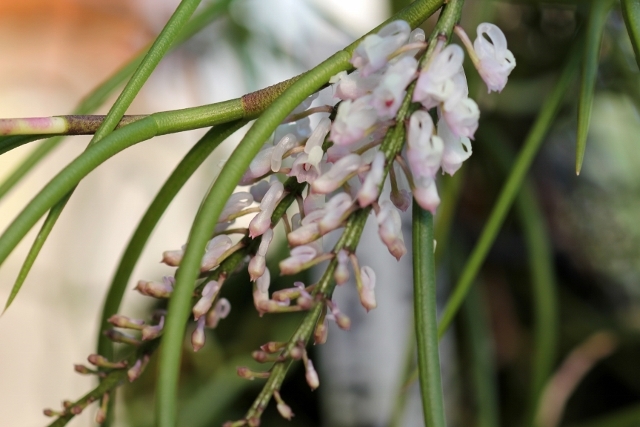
(401, 115)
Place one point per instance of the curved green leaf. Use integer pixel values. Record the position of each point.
(631, 15)
(595, 29)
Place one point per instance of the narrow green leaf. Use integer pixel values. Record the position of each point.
(595, 28)
(509, 192)
(41, 238)
(540, 257)
(425, 317)
(631, 15)
(174, 183)
(481, 356)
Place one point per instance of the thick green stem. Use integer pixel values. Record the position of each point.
(426, 320)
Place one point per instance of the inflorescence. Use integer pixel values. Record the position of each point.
(340, 169)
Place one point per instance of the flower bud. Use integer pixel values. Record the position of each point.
(311, 375)
(198, 335)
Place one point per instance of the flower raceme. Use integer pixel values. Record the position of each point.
(343, 170)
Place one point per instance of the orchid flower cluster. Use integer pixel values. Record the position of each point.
(341, 166)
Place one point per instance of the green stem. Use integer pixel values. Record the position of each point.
(424, 297)
(509, 192)
(158, 50)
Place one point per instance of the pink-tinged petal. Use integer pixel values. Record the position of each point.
(435, 84)
(353, 86)
(456, 149)
(424, 150)
(299, 256)
(236, 203)
(370, 189)
(373, 52)
(334, 210)
(198, 336)
(214, 250)
(388, 96)
(463, 118)
(495, 61)
(390, 229)
(367, 294)
(338, 173)
(426, 194)
(353, 120)
(262, 221)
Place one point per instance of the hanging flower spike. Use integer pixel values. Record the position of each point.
(258, 263)
(353, 86)
(215, 248)
(370, 189)
(219, 312)
(367, 295)
(353, 120)
(424, 149)
(203, 305)
(390, 229)
(373, 52)
(339, 172)
(435, 84)
(388, 96)
(299, 256)
(456, 149)
(262, 221)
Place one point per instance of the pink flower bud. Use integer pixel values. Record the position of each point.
(353, 120)
(261, 291)
(285, 144)
(341, 274)
(299, 256)
(337, 175)
(262, 221)
(367, 295)
(334, 212)
(462, 117)
(284, 409)
(136, 370)
(390, 229)
(121, 321)
(388, 96)
(173, 258)
(424, 150)
(155, 289)
(426, 194)
(214, 250)
(311, 375)
(353, 86)
(151, 332)
(321, 332)
(373, 52)
(203, 305)
(257, 264)
(261, 164)
(304, 234)
(198, 336)
(219, 312)
(371, 186)
(435, 83)
(456, 149)
(236, 203)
